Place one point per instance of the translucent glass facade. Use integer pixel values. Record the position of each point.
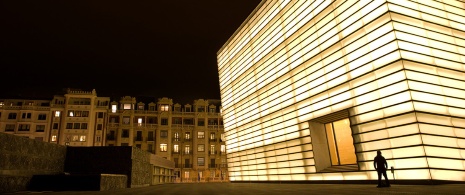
(394, 68)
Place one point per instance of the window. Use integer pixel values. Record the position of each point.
(188, 109)
(150, 136)
(127, 106)
(186, 174)
(200, 148)
(176, 148)
(212, 110)
(126, 120)
(212, 149)
(187, 149)
(54, 138)
(188, 135)
(200, 135)
(176, 136)
(125, 133)
(223, 138)
(139, 136)
(77, 126)
(163, 147)
(177, 109)
(71, 113)
(10, 127)
(23, 127)
(83, 125)
(99, 126)
(12, 116)
(98, 139)
(340, 142)
(164, 107)
(75, 138)
(140, 107)
(223, 148)
(201, 122)
(164, 121)
(69, 125)
(139, 122)
(40, 128)
(85, 113)
(42, 117)
(212, 136)
(26, 115)
(113, 108)
(164, 133)
(201, 109)
(82, 138)
(55, 125)
(57, 113)
(152, 108)
(176, 121)
(149, 147)
(200, 161)
(100, 115)
(152, 120)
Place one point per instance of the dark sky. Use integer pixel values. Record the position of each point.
(154, 48)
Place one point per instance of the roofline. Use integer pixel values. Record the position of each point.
(241, 26)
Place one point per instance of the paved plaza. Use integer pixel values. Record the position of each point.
(270, 189)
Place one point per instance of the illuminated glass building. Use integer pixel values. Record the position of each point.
(311, 89)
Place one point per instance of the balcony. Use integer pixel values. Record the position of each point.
(214, 166)
(176, 139)
(212, 140)
(187, 165)
(150, 139)
(187, 140)
(139, 139)
(212, 152)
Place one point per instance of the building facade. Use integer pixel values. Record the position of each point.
(192, 136)
(312, 89)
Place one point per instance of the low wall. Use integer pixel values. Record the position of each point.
(21, 158)
(112, 181)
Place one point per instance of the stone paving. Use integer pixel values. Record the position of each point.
(270, 189)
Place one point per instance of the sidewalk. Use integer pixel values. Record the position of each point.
(272, 189)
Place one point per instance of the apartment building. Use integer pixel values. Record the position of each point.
(192, 136)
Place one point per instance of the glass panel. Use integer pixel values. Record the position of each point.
(344, 142)
(331, 144)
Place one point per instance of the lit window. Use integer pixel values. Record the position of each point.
(176, 148)
(223, 139)
(200, 161)
(340, 142)
(200, 148)
(223, 148)
(54, 138)
(176, 136)
(139, 121)
(212, 149)
(186, 174)
(75, 138)
(164, 107)
(98, 138)
(71, 113)
(212, 136)
(127, 106)
(200, 134)
(163, 147)
(82, 138)
(113, 108)
(57, 113)
(187, 149)
(188, 136)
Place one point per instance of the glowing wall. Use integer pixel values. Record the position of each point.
(397, 67)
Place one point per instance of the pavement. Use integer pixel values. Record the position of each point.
(268, 189)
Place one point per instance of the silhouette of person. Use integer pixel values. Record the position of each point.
(381, 166)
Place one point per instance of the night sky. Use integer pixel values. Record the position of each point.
(149, 48)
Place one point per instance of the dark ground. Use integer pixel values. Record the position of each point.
(271, 189)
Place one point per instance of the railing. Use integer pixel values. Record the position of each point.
(138, 139)
(110, 137)
(187, 165)
(212, 140)
(213, 152)
(187, 140)
(150, 139)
